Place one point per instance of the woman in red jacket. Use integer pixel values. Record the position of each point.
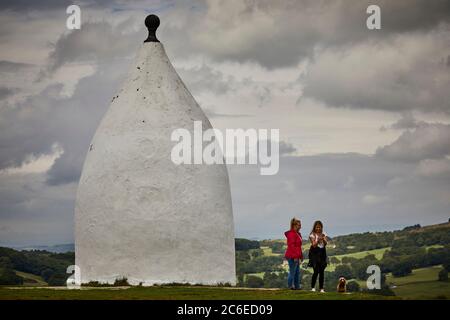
(294, 253)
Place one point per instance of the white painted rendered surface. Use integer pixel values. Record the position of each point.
(137, 214)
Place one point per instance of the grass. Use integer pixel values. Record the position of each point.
(417, 275)
(424, 290)
(359, 255)
(420, 284)
(434, 246)
(174, 293)
(268, 251)
(30, 279)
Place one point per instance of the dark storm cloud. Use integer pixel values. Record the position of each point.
(282, 33)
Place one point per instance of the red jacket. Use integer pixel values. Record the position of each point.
(294, 245)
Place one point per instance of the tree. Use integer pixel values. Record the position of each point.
(254, 282)
(443, 275)
(245, 244)
(348, 260)
(344, 270)
(402, 268)
(353, 286)
(334, 260)
(273, 280)
(277, 247)
(8, 276)
(5, 262)
(47, 273)
(257, 253)
(240, 280)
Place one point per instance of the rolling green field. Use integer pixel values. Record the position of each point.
(417, 275)
(359, 255)
(174, 293)
(424, 290)
(31, 279)
(421, 284)
(268, 251)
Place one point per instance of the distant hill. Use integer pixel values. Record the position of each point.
(58, 248)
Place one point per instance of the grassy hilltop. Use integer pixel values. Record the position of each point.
(176, 293)
(414, 263)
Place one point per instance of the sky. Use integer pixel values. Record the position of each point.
(364, 115)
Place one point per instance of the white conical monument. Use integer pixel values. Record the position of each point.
(138, 215)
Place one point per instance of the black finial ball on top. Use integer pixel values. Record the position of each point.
(152, 23)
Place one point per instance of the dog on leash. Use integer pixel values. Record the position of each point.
(342, 285)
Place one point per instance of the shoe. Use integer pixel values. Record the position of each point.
(322, 291)
(313, 289)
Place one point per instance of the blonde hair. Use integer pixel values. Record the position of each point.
(294, 221)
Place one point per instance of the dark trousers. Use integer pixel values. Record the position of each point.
(318, 271)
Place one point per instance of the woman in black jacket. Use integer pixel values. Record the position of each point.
(318, 255)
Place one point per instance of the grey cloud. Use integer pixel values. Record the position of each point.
(272, 33)
(213, 114)
(434, 168)
(31, 5)
(407, 121)
(39, 208)
(427, 141)
(316, 187)
(286, 148)
(21, 5)
(398, 75)
(11, 67)
(26, 130)
(6, 92)
(33, 126)
(282, 33)
(33, 213)
(204, 78)
(95, 41)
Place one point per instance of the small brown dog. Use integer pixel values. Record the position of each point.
(342, 285)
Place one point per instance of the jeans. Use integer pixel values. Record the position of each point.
(294, 273)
